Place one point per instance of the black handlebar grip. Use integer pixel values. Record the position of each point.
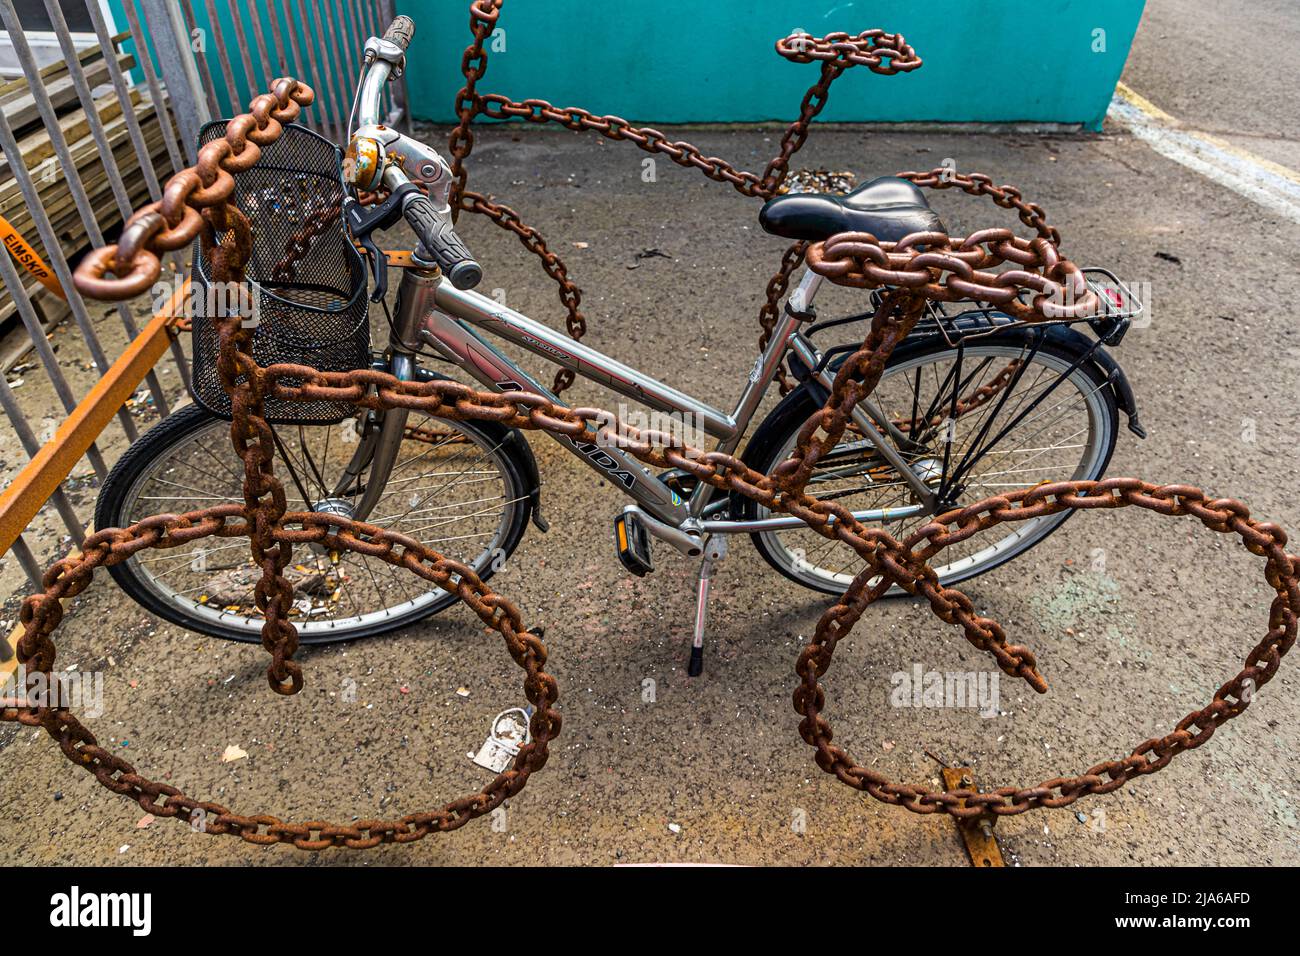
(439, 239)
(400, 31)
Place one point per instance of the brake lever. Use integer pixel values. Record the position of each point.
(362, 221)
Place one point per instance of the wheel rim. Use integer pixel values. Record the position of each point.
(1071, 422)
(449, 488)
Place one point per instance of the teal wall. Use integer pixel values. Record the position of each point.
(673, 61)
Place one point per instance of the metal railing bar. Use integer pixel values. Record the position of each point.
(397, 91)
(320, 78)
(23, 429)
(268, 65)
(124, 98)
(174, 152)
(58, 261)
(72, 176)
(223, 58)
(32, 568)
(336, 66)
(78, 74)
(136, 133)
(370, 10)
(36, 332)
(205, 77)
(299, 70)
(350, 50)
(281, 61)
(39, 480)
(241, 38)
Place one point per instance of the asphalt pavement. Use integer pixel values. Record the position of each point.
(711, 769)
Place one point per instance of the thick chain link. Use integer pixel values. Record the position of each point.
(191, 197)
(68, 578)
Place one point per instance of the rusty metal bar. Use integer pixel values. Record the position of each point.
(325, 76)
(976, 832)
(189, 23)
(349, 52)
(268, 65)
(32, 568)
(281, 61)
(241, 41)
(32, 446)
(223, 58)
(335, 59)
(39, 480)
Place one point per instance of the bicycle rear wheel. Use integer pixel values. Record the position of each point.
(1067, 429)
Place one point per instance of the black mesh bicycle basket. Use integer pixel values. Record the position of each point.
(309, 304)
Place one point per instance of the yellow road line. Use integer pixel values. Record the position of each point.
(1157, 115)
(1269, 184)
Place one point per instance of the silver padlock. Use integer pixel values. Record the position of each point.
(509, 732)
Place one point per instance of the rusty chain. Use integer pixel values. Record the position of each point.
(69, 577)
(191, 197)
(894, 563)
(941, 268)
(1225, 515)
(1039, 285)
(299, 243)
(880, 52)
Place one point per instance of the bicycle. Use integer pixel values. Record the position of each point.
(970, 403)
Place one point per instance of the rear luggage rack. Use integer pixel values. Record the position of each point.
(956, 322)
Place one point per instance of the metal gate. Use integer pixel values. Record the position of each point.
(100, 101)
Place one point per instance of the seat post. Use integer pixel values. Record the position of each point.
(800, 302)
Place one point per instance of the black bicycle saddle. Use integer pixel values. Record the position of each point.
(889, 208)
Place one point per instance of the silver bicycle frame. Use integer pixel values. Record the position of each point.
(433, 313)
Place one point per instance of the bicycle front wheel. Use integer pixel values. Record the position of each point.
(461, 488)
(1057, 419)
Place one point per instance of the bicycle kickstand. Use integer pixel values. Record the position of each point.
(715, 549)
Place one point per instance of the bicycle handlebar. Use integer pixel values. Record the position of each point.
(401, 31)
(438, 242)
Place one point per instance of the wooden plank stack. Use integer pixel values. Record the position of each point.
(38, 154)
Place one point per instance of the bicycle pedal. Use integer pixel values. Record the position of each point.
(633, 543)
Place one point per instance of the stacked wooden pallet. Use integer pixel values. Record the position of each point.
(47, 172)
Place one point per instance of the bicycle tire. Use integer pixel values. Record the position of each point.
(773, 435)
(518, 472)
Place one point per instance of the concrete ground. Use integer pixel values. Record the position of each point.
(1135, 619)
(1244, 97)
